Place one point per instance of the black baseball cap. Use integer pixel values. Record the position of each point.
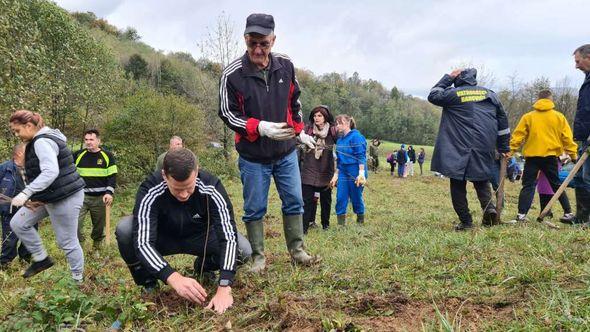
(263, 24)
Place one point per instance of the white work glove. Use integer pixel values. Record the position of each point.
(306, 139)
(360, 179)
(277, 131)
(18, 200)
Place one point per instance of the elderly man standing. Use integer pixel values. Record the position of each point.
(473, 125)
(259, 100)
(175, 143)
(582, 135)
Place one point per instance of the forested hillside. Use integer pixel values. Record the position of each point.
(79, 72)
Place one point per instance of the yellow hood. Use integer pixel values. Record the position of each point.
(544, 105)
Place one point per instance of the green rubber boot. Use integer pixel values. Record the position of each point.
(255, 231)
(341, 219)
(293, 228)
(360, 218)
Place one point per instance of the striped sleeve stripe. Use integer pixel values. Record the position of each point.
(224, 103)
(228, 262)
(504, 132)
(231, 245)
(144, 227)
(281, 55)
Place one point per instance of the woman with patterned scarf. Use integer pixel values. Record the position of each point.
(317, 167)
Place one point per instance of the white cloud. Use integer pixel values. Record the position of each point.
(401, 43)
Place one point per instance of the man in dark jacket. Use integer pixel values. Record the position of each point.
(473, 125)
(259, 100)
(582, 134)
(182, 210)
(402, 158)
(11, 182)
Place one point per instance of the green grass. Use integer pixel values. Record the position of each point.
(405, 269)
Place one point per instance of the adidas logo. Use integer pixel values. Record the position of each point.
(281, 80)
(196, 216)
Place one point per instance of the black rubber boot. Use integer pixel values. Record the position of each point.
(490, 218)
(582, 206)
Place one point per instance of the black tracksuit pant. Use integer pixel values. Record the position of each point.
(459, 198)
(532, 166)
(166, 245)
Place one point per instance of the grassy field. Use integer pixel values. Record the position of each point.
(404, 270)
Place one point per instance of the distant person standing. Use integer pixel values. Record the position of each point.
(581, 135)
(412, 158)
(472, 127)
(175, 143)
(421, 158)
(391, 161)
(401, 158)
(374, 154)
(98, 168)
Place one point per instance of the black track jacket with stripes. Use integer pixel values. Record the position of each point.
(245, 99)
(158, 213)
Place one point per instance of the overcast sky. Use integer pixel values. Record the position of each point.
(408, 44)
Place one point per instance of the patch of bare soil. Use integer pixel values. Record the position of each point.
(168, 302)
(394, 311)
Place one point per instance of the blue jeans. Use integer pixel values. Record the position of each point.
(400, 170)
(582, 178)
(256, 181)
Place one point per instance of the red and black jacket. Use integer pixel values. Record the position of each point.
(245, 99)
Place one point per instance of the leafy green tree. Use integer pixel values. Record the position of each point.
(137, 67)
(50, 64)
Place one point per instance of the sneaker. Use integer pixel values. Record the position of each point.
(37, 267)
(568, 218)
(520, 218)
(78, 278)
(463, 226)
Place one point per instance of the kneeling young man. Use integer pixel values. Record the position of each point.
(176, 211)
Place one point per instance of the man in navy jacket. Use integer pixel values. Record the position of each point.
(582, 134)
(472, 127)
